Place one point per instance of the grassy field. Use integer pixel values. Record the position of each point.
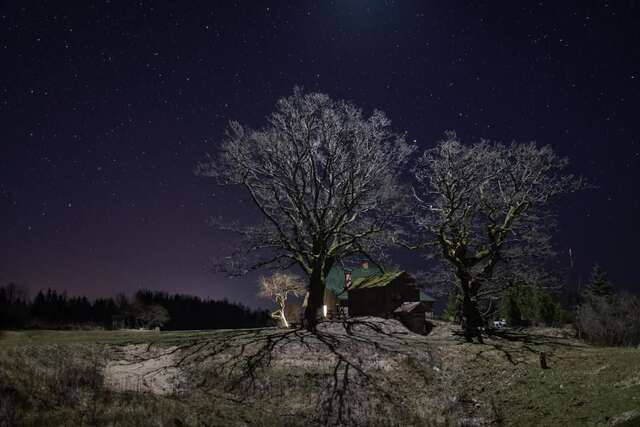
(367, 373)
(583, 385)
(119, 337)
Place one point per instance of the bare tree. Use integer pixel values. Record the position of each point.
(487, 207)
(323, 177)
(148, 315)
(278, 287)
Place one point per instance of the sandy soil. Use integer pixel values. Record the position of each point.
(363, 369)
(144, 370)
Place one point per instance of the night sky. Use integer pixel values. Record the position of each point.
(105, 108)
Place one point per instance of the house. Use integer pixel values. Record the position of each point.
(336, 292)
(368, 291)
(339, 280)
(380, 295)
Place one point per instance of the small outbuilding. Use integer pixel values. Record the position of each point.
(413, 316)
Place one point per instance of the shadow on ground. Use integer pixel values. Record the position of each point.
(364, 371)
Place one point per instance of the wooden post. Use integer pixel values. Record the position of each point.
(543, 360)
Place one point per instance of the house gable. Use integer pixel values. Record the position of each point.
(336, 281)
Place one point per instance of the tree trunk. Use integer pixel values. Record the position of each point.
(317, 284)
(315, 301)
(543, 360)
(283, 318)
(472, 319)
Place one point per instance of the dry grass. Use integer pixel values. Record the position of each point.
(365, 372)
(368, 372)
(502, 381)
(62, 385)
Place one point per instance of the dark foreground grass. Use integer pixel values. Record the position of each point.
(586, 387)
(62, 385)
(583, 385)
(56, 378)
(118, 337)
(370, 373)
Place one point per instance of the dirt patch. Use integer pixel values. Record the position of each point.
(355, 372)
(144, 370)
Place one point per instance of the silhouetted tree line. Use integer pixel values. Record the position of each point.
(520, 306)
(53, 309)
(191, 312)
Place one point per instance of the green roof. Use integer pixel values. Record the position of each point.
(363, 278)
(335, 278)
(377, 281)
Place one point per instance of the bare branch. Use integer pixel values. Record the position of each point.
(488, 207)
(322, 175)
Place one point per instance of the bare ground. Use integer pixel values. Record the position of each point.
(362, 372)
(143, 369)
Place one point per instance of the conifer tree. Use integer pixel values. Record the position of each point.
(599, 284)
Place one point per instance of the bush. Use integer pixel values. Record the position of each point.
(525, 306)
(609, 320)
(451, 311)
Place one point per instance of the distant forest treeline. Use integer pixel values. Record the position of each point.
(55, 310)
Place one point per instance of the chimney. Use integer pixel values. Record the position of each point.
(364, 264)
(347, 279)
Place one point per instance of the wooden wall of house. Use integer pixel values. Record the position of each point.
(403, 292)
(381, 301)
(367, 302)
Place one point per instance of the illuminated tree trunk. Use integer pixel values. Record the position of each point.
(279, 314)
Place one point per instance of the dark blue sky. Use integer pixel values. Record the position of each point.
(105, 107)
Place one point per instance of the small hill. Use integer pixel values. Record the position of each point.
(365, 371)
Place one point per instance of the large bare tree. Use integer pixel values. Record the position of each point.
(487, 207)
(325, 180)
